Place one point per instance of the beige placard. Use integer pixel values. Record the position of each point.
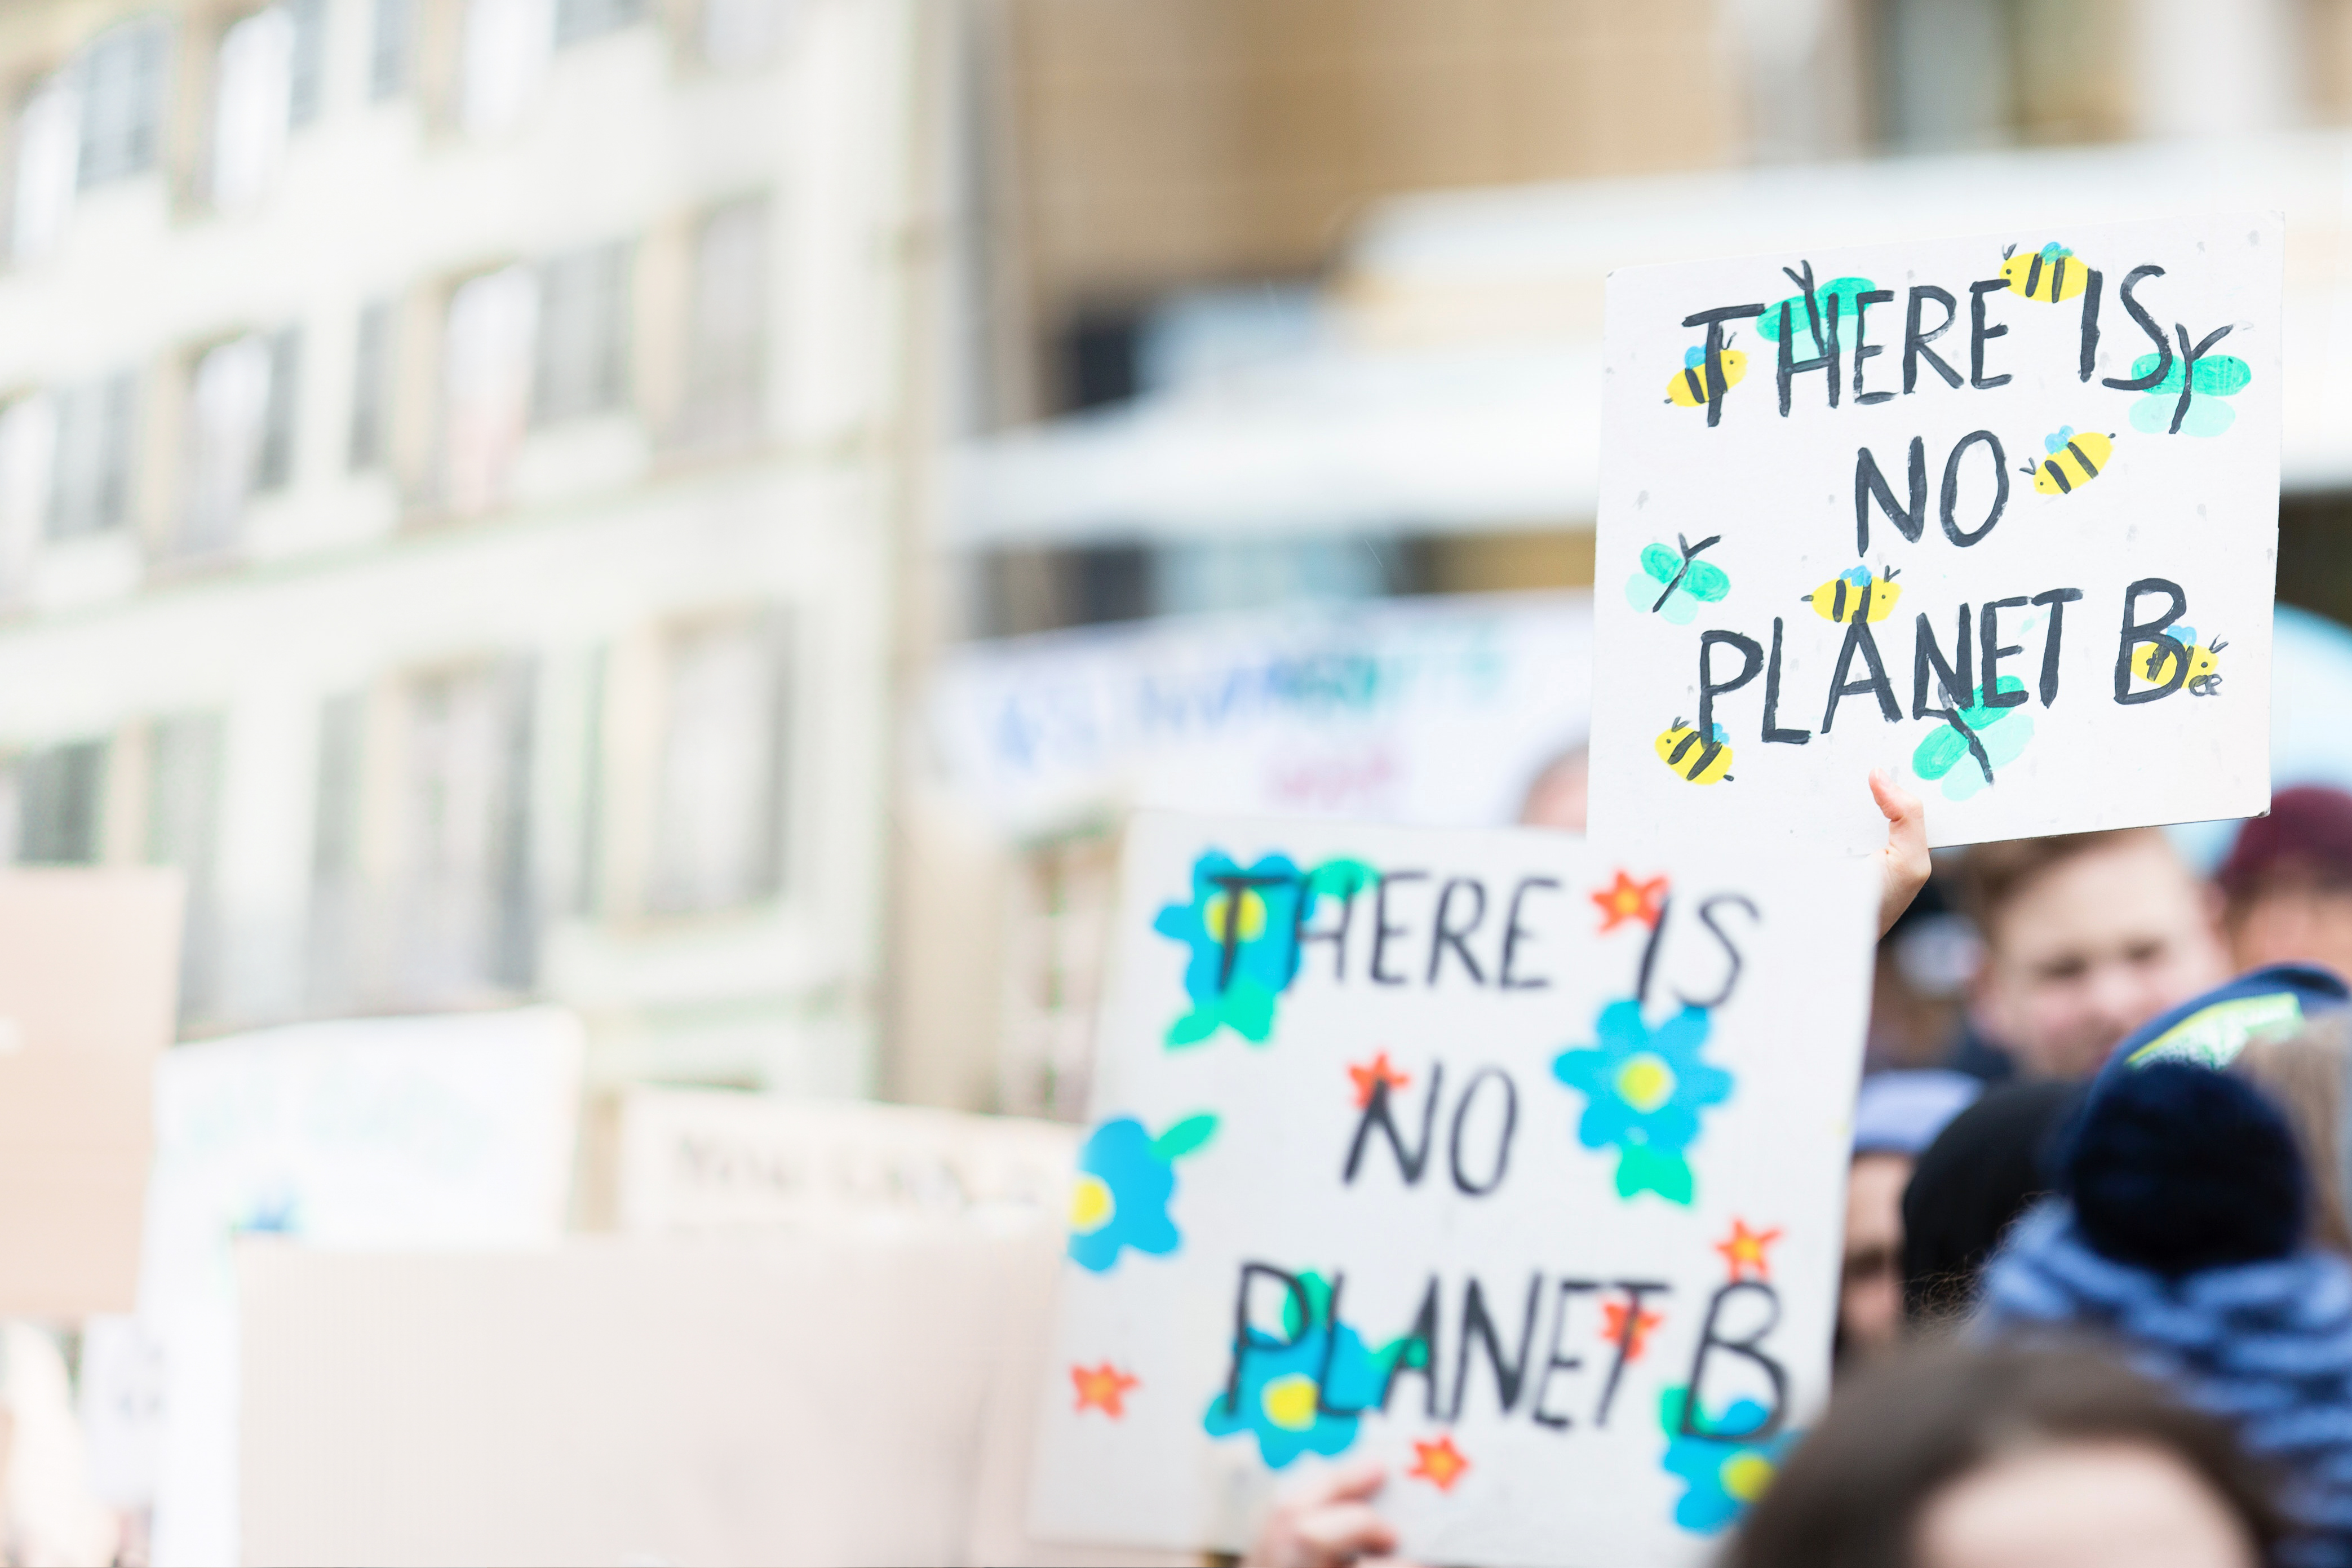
(842, 1398)
(89, 982)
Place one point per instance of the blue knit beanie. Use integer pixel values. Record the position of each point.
(2179, 1234)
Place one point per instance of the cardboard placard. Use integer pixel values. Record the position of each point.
(1471, 1151)
(1999, 513)
(89, 979)
(693, 1159)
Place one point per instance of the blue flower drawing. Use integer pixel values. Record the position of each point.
(1721, 1475)
(1279, 1398)
(1126, 1177)
(1643, 1090)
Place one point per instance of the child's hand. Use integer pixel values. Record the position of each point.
(1903, 863)
(1326, 1521)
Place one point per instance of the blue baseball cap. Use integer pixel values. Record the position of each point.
(2212, 1029)
(1900, 1113)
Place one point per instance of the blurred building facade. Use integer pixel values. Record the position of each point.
(452, 464)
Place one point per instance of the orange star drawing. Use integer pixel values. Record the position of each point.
(1744, 1250)
(1627, 900)
(1613, 1327)
(1102, 1388)
(1439, 1464)
(1372, 1074)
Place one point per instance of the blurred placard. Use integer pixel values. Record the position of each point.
(1999, 514)
(89, 966)
(841, 1399)
(1489, 1155)
(1438, 711)
(694, 1159)
(455, 1131)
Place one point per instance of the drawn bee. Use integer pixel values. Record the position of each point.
(1688, 388)
(2191, 404)
(1853, 595)
(1674, 585)
(2074, 460)
(1962, 756)
(1702, 761)
(2155, 662)
(2045, 275)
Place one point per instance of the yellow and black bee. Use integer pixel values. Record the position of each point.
(2155, 662)
(1853, 595)
(1701, 761)
(1688, 388)
(2050, 274)
(2074, 460)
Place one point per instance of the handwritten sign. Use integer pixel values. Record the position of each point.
(1998, 514)
(1492, 1155)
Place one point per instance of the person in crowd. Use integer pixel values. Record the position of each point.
(2287, 883)
(2088, 936)
(1954, 1457)
(1987, 1167)
(1555, 798)
(1897, 1116)
(2178, 1234)
(2305, 1073)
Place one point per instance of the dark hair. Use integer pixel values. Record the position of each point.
(1993, 876)
(1852, 1494)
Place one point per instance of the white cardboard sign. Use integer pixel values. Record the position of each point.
(1467, 1151)
(1998, 514)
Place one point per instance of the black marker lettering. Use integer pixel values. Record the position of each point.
(1420, 1337)
(2090, 355)
(1554, 1360)
(1732, 960)
(1914, 342)
(1709, 688)
(1447, 935)
(1773, 734)
(2189, 358)
(2055, 600)
(1858, 636)
(1709, 1342)
(1512, 930)
(1476, 1325)
(1978, 333)
(1870, 484)
(2139, 313)
(1247, 1338)
(1717, 385)
(1502, 1143)
(1862, 303)
(1381, 929)
(1992, 653)
(1957, 685)
(1628, 1336)
(2137, 632)
(1380, 1112)
(1952, 489)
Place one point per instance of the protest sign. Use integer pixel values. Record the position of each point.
(88, 967)
(700, 1159)
(456, 1131)
(1508, 1161)
(1998, 514)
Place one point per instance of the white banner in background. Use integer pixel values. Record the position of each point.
(1434, 712)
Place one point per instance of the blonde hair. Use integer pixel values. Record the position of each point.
(2305, 1073)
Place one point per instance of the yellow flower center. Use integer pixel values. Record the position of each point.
(1745, 1476)
(1289, 1402)
(1091, 1205)
(1645, 1082)
(1220, 909)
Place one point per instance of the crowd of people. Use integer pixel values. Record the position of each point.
(2096, 1306)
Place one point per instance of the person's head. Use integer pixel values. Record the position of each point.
(2287, 883)
(1555, 796)
(2304, 1074)
(2019, 1458)
(1897, 1116)
(1983, 1170)
(2088, 936)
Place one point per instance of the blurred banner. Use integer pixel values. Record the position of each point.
(1425, 712)
(457, 1131)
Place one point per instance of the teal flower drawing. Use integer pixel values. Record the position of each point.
(1243, 929)
(1721, 1476)
(1643, 1090)
(1126, 1177)
(1968, 748)
(1279, 1398)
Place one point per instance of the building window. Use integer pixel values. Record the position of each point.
(183, 808)
(726, 334)
(266, 85)
(505, 55)
(306, 80)
(578, 19)
(719, 837)
(28, 446)
(241, 414)
(60, 805)
(89, 486)
(466, 917)
(391, 48)
(48, 162)
(122, 85)
(486, 367)
(743, 35)
(372, 388)
(335, 886)
(582, 364)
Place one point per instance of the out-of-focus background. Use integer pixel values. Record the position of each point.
(705, 512)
